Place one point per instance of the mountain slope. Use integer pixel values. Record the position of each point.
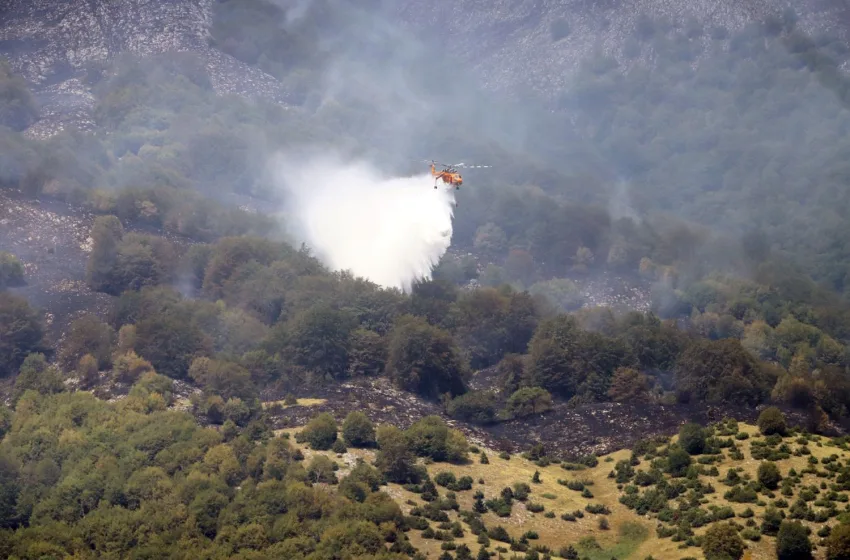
(58, 47)
(535, 45)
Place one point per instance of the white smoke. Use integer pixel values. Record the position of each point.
(390, 230)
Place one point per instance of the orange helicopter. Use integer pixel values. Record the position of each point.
(449, 174)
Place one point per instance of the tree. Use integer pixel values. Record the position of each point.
(478, 407)
(562, 293)
(87, 370)
(424, 359)
(224, 378)
(88, 335)
(395, 459)
(358, 430)
(528, 401)
(628, 385)
(320, 432)
(722, 542)
(367, 354)
(772, 421)
(768, 475)
(678, 461)
(511, 371)
(565, 359)
(720, 371)
(792, 542)
(21, 332)
(11, 271)
(171, 340)
(692, 438)
(107, 233)
(318, 340)
(37, 375)
(771, 521)
(431, 437)
(491, 240)
(838, 543)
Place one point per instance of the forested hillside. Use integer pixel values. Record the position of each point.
(716, 178)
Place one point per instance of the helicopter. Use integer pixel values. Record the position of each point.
(449, 174)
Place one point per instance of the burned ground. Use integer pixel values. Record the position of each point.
(565, 431)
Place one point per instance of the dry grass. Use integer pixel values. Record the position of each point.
(629, 536)
(301, 402)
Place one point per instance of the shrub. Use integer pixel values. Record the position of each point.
(772, 421)
(358, 430)
(478, 407)
(692, 438)
(838, 543)
(792, 542)
(722, 542)
(320, 432)
(339, 446)
(768, 475)
(445, 478)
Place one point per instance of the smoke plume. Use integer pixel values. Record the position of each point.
(390, 230)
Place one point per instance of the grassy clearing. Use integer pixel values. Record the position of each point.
(300, 402)
(565, 501)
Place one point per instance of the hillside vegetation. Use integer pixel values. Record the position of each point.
(83, 478)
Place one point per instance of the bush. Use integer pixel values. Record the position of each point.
(11, 271)
(838, 543)
(320, 433)
(692, 438)
(339, 446)
(358, 430)
(478, 407)
(678, 462)
(792, 542)
(772, 421)
(445, 478)
(768, 475)
(722, 542)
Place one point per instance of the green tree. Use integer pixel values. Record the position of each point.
(358, 430)
(768, 475)
(37, 375)
(367, 355)
(21, 332)
(318, 340)
(678, 461)
(528, 401)
(88, 335)
(838, 543)
(792, 542)
(720, 371)
(425, 359)
(11, 271)
(478, 407)
(629, 386)
(107, 234)
(722, 542)
(692, 438)
(772, 421)
(320, 432)
(395, 459)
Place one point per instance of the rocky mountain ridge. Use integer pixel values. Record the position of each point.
(512, 45)
(53, 44)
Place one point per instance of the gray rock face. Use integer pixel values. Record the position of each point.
(512, 45)
(52, 43)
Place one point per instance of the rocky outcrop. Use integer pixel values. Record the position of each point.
(52, 43)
